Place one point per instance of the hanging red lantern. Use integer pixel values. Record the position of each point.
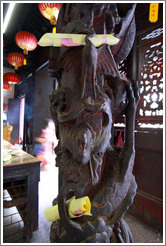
(6, 85)
(3, 43)
(50, 11)
(12, 78)
(16, 60)
(26, 41)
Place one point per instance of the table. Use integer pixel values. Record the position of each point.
(21, 175)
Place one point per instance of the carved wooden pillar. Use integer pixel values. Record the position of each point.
(90, 95)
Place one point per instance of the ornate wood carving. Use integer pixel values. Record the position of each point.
(90, 94)
(150, 70)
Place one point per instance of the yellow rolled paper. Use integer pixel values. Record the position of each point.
(79, 207)
(76, 208)
(67, 39)
(52, 213)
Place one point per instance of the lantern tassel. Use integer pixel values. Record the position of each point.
(25, 52)
(53, 20)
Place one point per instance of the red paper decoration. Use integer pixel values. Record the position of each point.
(16, 60)
(26, 41)
(6, 85)
(50, 11)
(11, 78)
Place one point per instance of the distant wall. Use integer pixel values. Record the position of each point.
(36, 90)
(43, 87)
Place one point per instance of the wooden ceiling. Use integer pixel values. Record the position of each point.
(27, 17)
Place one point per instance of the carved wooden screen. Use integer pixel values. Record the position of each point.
(122, 67)
(150, 77)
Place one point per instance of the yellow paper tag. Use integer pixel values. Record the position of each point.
(54, 30)
(153, 12)
(76, 208)
(68, 39)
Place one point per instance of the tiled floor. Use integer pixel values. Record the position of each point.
(48, 190)
(142, 233)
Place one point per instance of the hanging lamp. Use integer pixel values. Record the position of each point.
(16, 60)
(6, 85)
(11, 78)
(26, 41)
(50, 11)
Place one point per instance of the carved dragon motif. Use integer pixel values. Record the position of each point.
(90, 94)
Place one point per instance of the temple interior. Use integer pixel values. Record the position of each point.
(31, 133)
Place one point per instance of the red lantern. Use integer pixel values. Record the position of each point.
(26, 41)
(16, 60)
(6, 85)
(11, 78)
(3, 43)
(50, 11)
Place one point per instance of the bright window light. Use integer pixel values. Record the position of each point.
(8, 16)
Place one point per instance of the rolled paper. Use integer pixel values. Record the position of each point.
(52, 213)
(68, 40)
(79, 207)
(76, 208)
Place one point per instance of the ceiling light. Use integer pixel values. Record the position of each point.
(8, 16)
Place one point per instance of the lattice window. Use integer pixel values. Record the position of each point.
(150, 108)
(150, 78)
(151, 85)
